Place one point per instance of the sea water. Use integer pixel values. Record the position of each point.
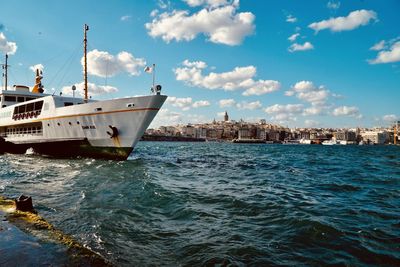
(192, 204)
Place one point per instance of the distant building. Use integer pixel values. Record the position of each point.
(201, 132)
(346, 136)
(244, 133)
(374, 137)
(188, 131)
(226, 117)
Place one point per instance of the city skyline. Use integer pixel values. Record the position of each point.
(324, 64)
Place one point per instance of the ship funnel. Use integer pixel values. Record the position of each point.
(38, 88)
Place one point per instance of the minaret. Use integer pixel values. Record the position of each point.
(226, 117)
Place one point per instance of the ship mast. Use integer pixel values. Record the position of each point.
(85, 62)
(5, 74)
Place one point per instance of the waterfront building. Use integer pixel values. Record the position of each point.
(188, 131)
(346, 135)
(244, 133)
(374, 137)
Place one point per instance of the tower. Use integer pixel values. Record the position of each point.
(226, 117)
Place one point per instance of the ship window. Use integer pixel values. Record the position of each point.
(20, 99)
(38, 105)
(9, 98)
(98, 109)
(48, 124)
(77, 122)
(30, 107)
(69, 123)
(66, 104)
(29, 98)
(130, 105)
(21, 109)
(58, 124)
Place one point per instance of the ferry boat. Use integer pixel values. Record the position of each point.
(331, 142)
(63, 126)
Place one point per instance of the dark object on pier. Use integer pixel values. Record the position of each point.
(24, 203)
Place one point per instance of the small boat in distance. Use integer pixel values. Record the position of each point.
(64, 126)
(331, 142)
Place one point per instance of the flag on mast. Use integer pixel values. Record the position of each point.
(148, 69)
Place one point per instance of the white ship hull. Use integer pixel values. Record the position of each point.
(68, 127)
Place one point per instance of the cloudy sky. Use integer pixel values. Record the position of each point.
(326, 63)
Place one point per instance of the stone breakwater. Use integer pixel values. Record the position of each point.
(20, 227)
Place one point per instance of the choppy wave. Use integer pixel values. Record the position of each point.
(195, 204)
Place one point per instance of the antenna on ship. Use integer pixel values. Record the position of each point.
(5, 74)
(86, 28)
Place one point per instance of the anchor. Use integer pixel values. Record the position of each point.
(114, 131)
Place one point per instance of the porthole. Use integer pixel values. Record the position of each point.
(58, 124)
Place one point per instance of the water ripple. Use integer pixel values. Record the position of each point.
(216, 204)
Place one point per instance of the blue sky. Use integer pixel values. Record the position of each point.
(324, 64)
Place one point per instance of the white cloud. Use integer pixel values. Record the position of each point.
(249, 105)
(262, 87)
(290, 93)
(301, 47)
(223, 103)
(308, 92)
(166, 117)
(388, 56)
(284, 113)
(7, 47)
(201, 103)
(182, 103)
(311, 123)
(196, 118)
(378, 46)
(291, 19)
(210, 3)
(93, 89)
(314, 110)
(354, 20)
(333, 5)
(303, 86)
(154, 13)
(241, 78)
(314, 97)
(284, 109)
(163, 4)
(103, 64)
(126, 18)
(390, 118)
(293, 37)
(222, 25)
(36, 67)
(347, 111)
(185, 103)
(194, 64)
